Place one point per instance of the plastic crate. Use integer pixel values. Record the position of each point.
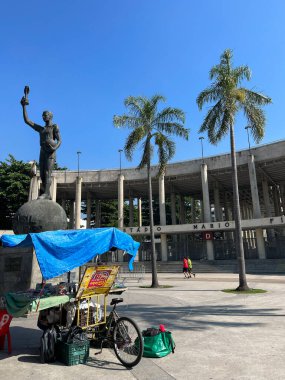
(72, 353)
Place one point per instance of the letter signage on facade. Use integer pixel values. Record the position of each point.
(207, 235)
(206, 227)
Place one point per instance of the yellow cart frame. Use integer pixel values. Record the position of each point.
(96, 282)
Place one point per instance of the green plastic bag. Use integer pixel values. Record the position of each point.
(158, 345)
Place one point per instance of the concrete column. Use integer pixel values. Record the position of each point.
(276, 201)
(250, 234)
(282, 194)
(131, 211)
(218, 213)
(120, 201)
(53, 188)
(193, 213)
(243, 210)
(88, 210)
(162, 216)
(228, 213)
(78, 202)
(226, 207)
(243, 216)
(139, 212)
(182, 214)
(98, 214)
(256, 206)
(253, 187)
(206, 208)
(34, 188)
(71, 219)
(267, 207)
(173, 208)
(201, 211)
(266, 198)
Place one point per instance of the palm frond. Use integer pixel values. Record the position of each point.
(147, 153)
(240, 73)
(256, 118)
(135, 105)
(227, 121)
(166, 150)
(224, 67)
(145, 120)
(257, 98)
(134, 138)
(216, 124)
(126, 121)
(215, 72)
(226, 58)
(175, 129)
(155, 99)
(210, 94)
(169, 114)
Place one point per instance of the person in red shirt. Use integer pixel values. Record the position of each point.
(185, 268)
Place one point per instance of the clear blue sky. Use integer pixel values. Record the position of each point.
(81, 59)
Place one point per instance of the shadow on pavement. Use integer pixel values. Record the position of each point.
(105, 364)
(176, 316)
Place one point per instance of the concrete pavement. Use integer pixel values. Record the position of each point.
(218, 335)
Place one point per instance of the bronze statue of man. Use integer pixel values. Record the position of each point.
(50, 140)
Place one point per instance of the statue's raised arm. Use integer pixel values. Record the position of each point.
(24, 103)
(50, 141)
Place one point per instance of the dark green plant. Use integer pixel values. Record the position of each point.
(230, 98)
(149, 125)
(14, 188)
(108, 211)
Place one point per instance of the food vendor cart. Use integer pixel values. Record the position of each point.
(85, 305)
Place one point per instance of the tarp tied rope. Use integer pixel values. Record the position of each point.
(59, 252)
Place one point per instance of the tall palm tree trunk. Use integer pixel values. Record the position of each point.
(154, 283)
(238, 232)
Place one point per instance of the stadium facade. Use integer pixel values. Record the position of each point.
(199, 194)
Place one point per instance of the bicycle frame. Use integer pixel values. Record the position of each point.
(106, 333)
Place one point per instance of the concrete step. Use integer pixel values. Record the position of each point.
(270, 266)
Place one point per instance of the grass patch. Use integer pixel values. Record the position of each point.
(159, 287)
(249, 291)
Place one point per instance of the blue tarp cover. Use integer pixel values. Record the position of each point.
(59, 252)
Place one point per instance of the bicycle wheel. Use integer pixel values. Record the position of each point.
(128, 342)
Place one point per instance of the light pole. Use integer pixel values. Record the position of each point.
(201, 138)
(120, 152)
(247, 128)
(78, 154)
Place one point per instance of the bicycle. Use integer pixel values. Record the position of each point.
(91, 319)
(123, 335)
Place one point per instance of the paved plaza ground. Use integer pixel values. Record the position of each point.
(217, 335)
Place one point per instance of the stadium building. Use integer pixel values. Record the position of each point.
(195, 201)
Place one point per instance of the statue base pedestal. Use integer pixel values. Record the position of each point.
(38, 216)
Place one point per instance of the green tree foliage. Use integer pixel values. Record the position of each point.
(108, 210)
(149, 125)
(15, 179)
(14, 188)
(229, 97)
(127, 215)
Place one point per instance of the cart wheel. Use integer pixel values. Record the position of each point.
(128, 342)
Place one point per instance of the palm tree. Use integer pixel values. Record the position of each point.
(230, 98)
(147, 125)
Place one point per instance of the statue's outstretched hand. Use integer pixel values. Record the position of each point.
(24, 101)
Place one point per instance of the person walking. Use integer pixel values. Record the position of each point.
(185, 268)
(189, 261)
